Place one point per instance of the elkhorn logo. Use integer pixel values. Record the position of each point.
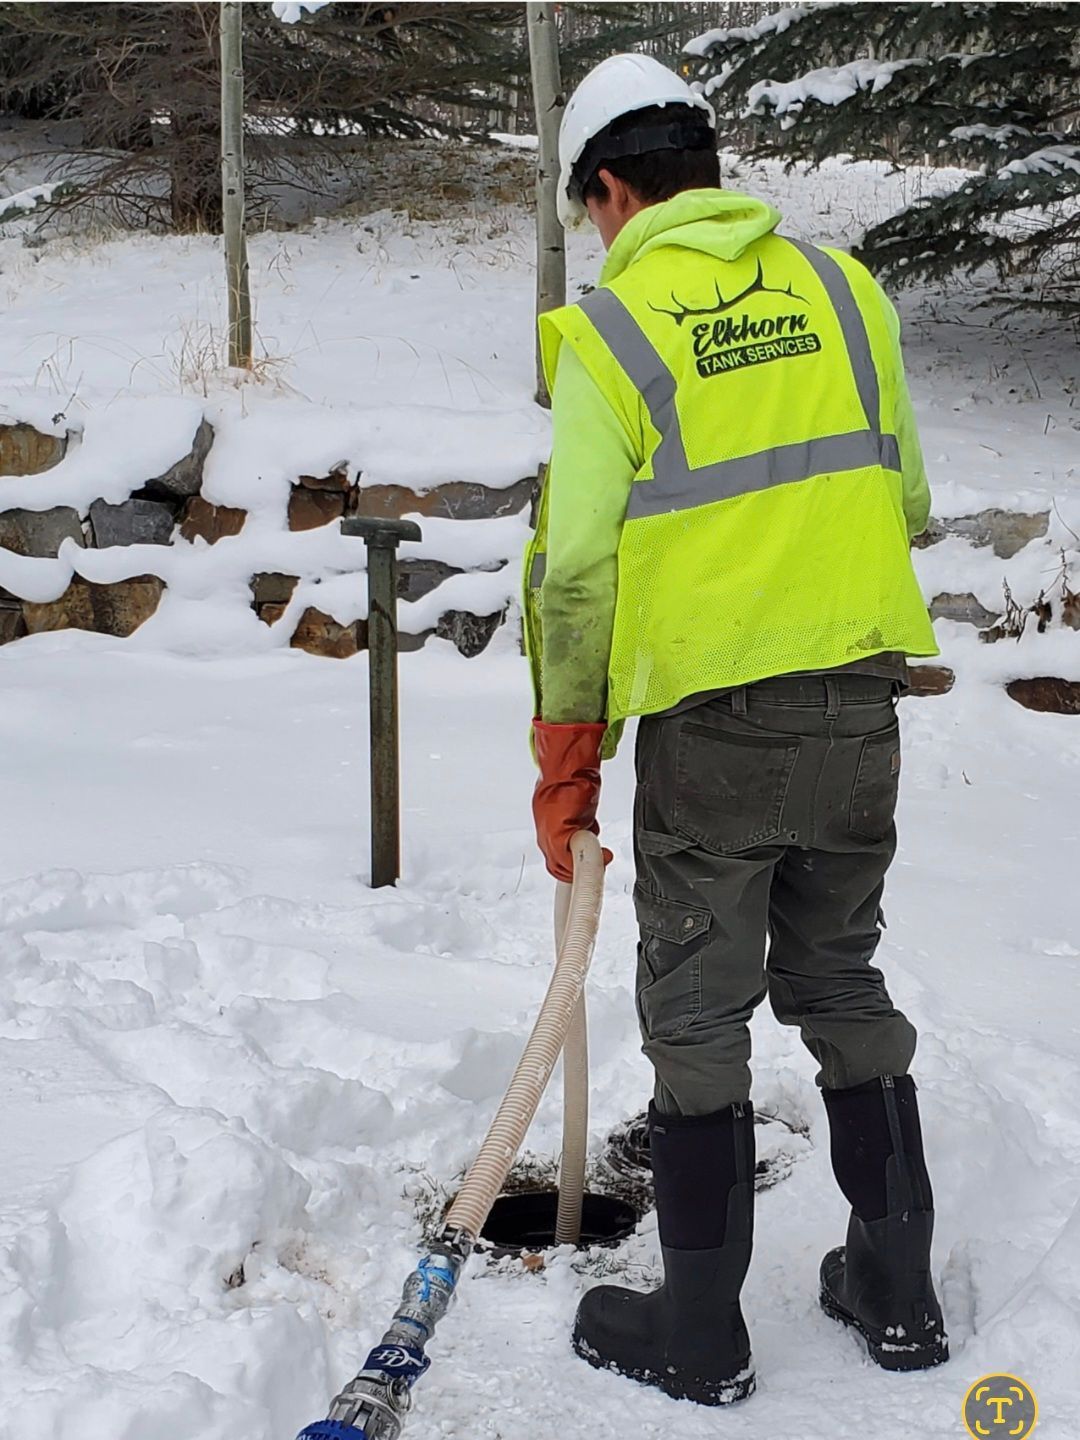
(721, 344)
(757, 286)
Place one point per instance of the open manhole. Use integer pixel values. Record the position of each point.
(525, 1222)
(780, 1144)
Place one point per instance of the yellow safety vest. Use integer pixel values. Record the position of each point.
(765, 531)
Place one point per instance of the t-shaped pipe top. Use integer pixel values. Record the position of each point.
(382, 534)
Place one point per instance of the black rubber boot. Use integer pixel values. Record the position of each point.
(688, 1338)
(879, 1282)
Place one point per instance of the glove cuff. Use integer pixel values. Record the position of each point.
(583, 727)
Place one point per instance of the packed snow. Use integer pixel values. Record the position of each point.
(237, 1084)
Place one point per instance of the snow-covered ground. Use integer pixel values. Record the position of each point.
(234, 1081)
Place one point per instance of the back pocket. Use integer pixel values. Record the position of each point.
(730, 789)
(877, 786)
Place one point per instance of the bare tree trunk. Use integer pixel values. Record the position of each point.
(232, 184)
(548, 103)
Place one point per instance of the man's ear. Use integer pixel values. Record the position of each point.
(618, 190)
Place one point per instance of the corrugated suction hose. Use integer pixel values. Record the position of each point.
(562, 1015)
(575, 1065)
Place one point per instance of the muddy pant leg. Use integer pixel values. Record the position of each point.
(701, 974)
(824, 917)
(703, 920)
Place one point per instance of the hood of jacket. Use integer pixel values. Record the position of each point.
(721, 223)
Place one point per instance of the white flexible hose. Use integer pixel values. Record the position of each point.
(504, 1139)
(575, 1067)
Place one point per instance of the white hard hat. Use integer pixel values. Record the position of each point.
(617, 86)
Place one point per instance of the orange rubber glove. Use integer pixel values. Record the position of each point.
(568, 792)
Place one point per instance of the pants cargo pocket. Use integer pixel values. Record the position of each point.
(673, 937)
(877, 784)
(729, 788)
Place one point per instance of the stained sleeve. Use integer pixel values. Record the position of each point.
(913, 470)
(593, 465)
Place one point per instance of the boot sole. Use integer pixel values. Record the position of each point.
(701, 1392)
(886, 1353)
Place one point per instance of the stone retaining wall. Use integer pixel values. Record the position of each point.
(170, 509)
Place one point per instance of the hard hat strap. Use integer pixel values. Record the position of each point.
(691, 133)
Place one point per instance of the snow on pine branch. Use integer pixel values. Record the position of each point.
(831, 85)
(1050, 160)
(997, 134)
(24, 202)
(290, 13)
(774, 24)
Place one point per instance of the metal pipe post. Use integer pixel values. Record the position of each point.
(382, 537)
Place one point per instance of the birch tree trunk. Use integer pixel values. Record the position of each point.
(548, 103)
(232, 185)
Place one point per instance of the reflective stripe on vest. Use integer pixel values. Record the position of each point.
(675, 486)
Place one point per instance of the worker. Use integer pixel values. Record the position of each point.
(722, 549)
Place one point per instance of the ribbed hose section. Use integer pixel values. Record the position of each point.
(504, 1139)
(575, 1129)
(575, 1069)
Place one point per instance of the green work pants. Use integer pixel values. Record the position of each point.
(763, 829)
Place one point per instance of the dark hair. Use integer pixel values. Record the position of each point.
(654, 175)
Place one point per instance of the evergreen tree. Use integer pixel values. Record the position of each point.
(990, 87)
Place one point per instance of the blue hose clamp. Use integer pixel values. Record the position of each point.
(331, 1430)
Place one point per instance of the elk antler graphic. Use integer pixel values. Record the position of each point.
(756, 286)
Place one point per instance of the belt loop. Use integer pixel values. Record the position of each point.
(738, 701)
(832, 699)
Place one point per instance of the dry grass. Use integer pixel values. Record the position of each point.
(440, 181)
